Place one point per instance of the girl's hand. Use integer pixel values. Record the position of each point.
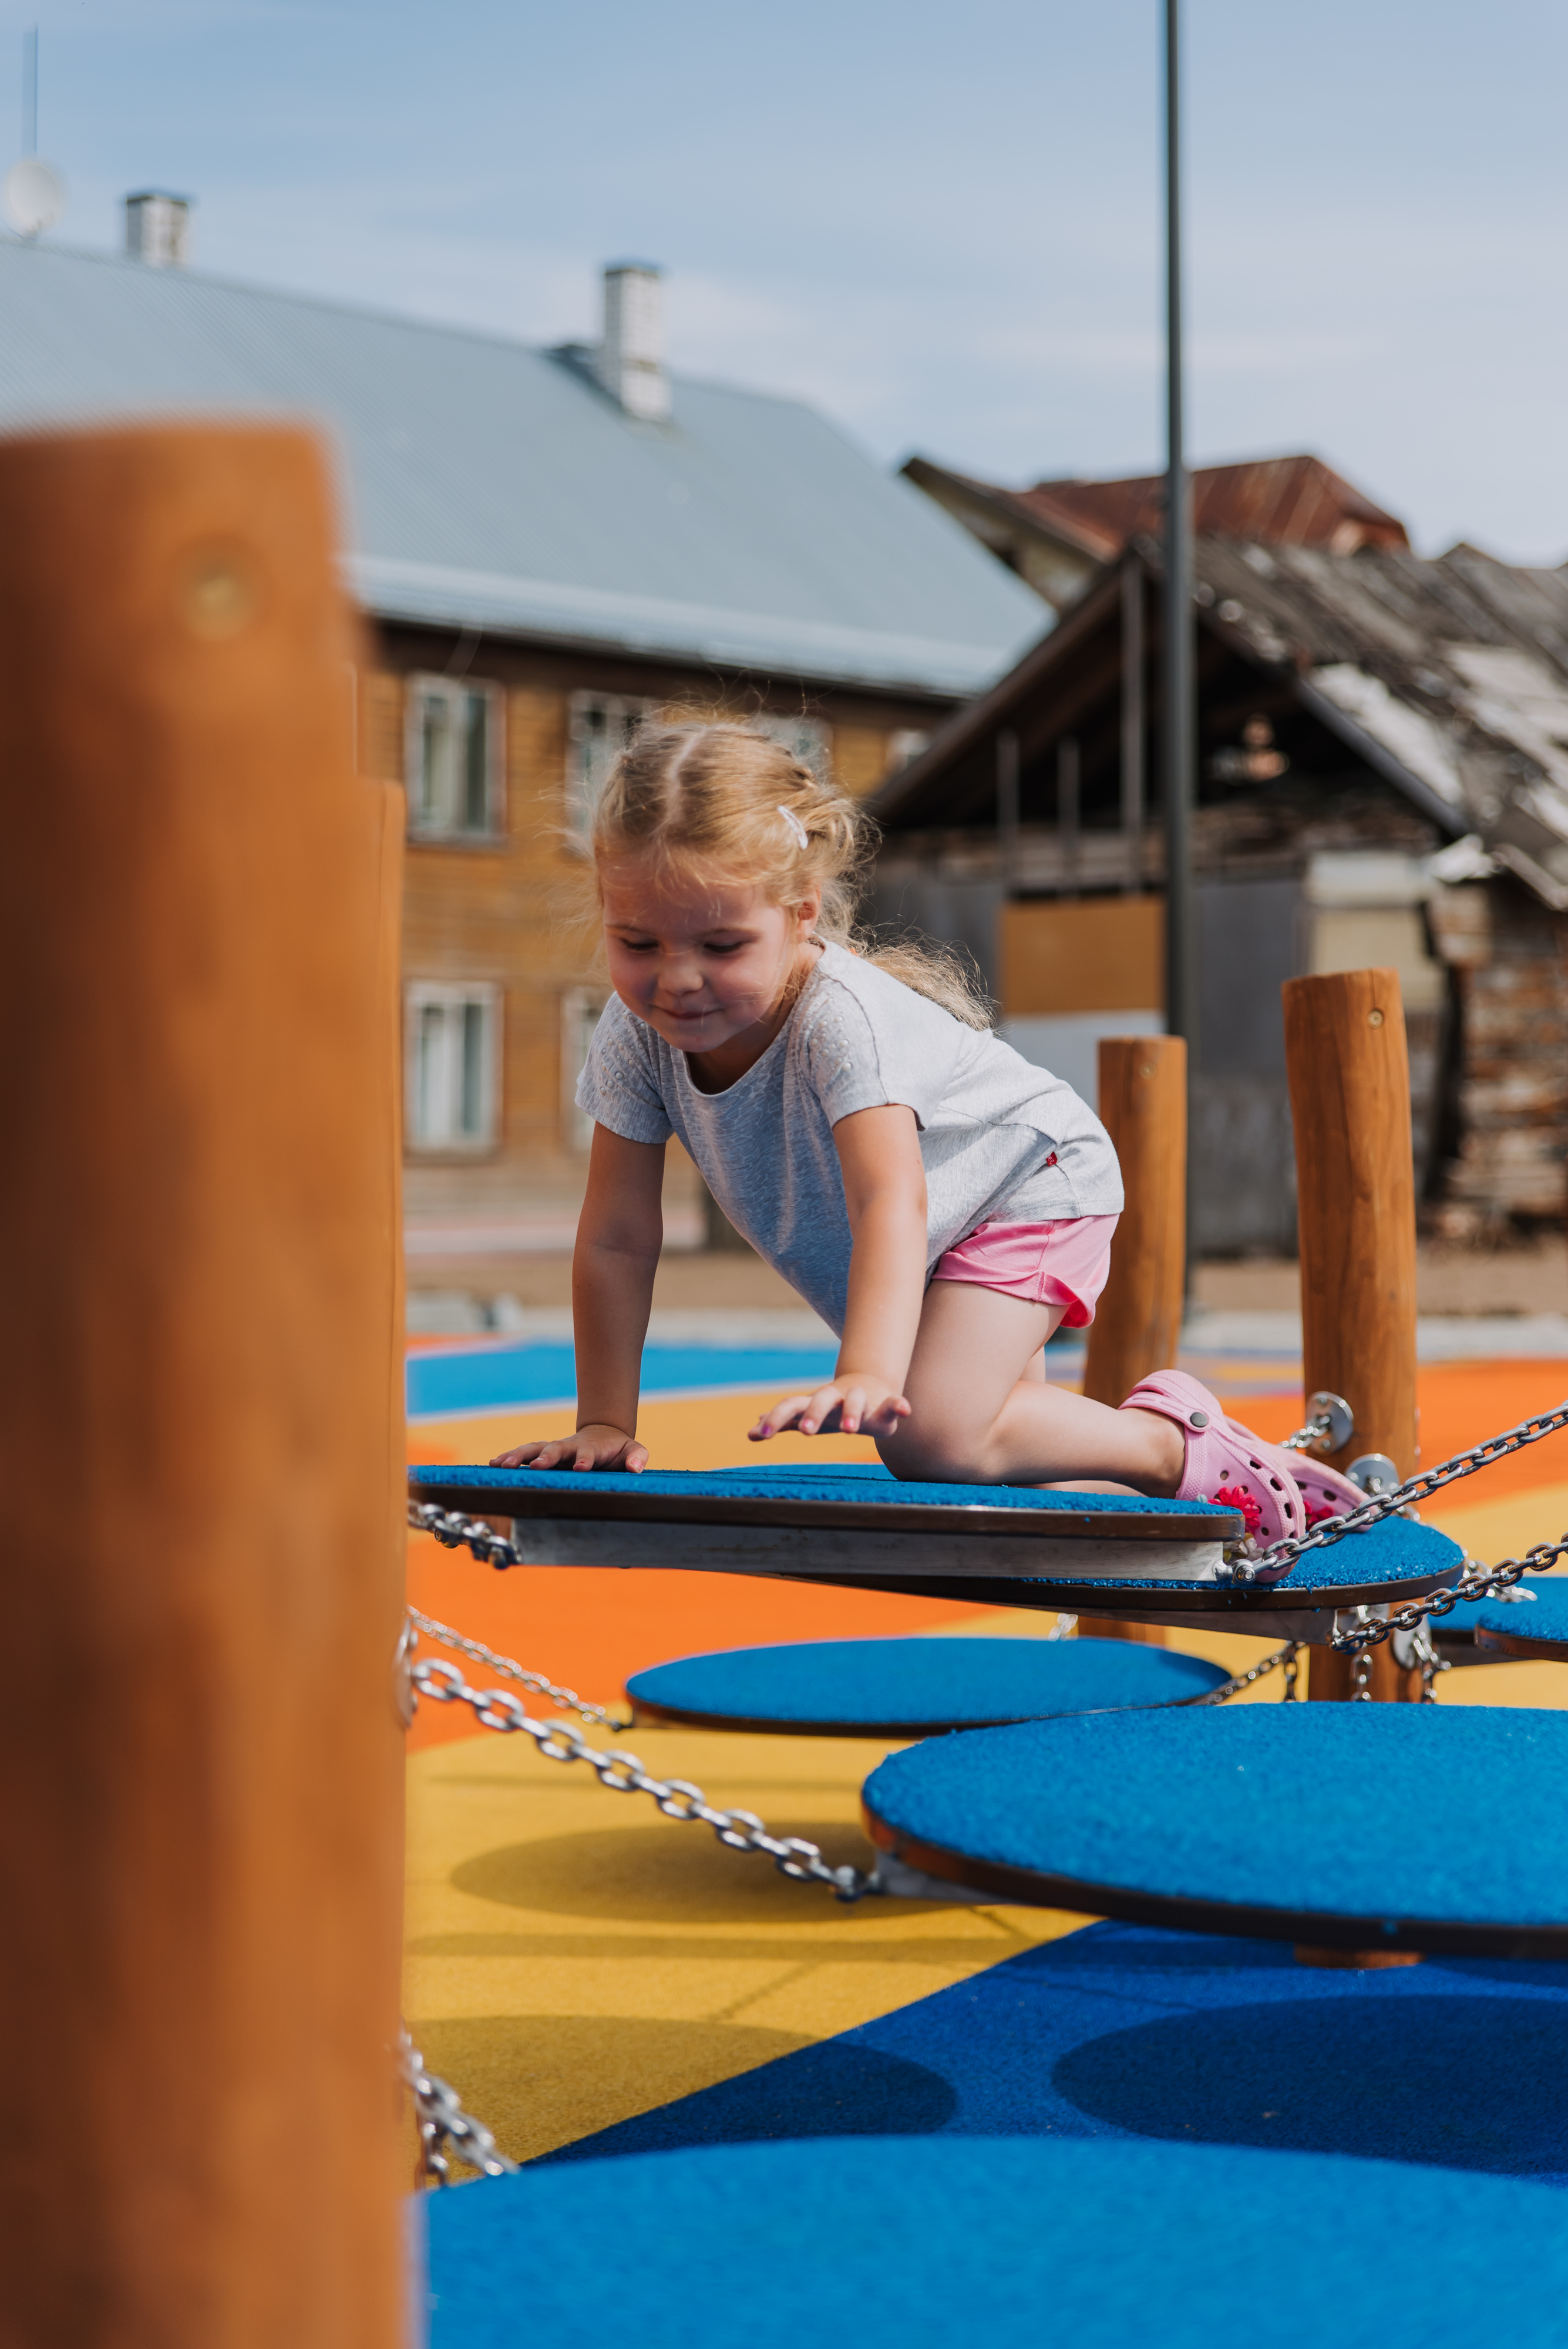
(854, 1403)
(591, 1447)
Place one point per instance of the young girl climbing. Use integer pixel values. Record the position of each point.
(942, 1203)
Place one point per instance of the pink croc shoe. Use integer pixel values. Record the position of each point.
(1225, 1461)
(1324, 1491)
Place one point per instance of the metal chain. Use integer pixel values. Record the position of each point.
(1284, 1657)
(598, 1716)
(1407, 1495)
(443, 2122)
(456, 1532)
(1424, 1654)
(623, 1774)
(1369, 1628)
(1313, 1432)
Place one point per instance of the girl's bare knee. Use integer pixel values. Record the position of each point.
(930, 1460)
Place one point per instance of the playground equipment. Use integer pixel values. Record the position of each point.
(898, 2242)
(198, 1220)
(912, 1688)
(200, 1217)
(1318, 1828)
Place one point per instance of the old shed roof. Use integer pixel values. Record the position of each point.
(494, 484)
(1286, 500)
(1448, 677)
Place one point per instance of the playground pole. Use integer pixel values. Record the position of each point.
(1136, 1326)
(200, 1843)
(1178, 711)
(1350, 1100)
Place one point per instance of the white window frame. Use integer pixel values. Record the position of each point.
(580, 1010)
(440, 812)
(444, 1130)
(592, 749)
(905, 744)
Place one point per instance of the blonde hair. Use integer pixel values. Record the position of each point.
(721, 802)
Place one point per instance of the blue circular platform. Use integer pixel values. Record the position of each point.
(912, 1688)
(826, 1511)
(1536, 1626)
(901, 2244)
(1347, 1826)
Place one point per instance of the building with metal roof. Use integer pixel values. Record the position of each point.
(494, 485)
(1383, 780)
(554, 547)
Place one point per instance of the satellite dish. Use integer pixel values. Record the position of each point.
(33, 196)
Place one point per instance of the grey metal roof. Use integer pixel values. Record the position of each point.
(494, 483)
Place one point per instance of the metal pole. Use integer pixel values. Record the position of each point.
(30, 92)
(1132, 722)
(1181, 940)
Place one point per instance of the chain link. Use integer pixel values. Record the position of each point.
(1281, 1659)
(598, 1716)
(443, 2122)
(623, 1774)
(456, 1532)
(1414, 1490)
(1369, 1628)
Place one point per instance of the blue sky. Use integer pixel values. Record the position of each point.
(941, 223)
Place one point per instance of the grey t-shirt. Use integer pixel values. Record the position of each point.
(1002, 1142)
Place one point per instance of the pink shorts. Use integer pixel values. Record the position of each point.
(1046, 1264)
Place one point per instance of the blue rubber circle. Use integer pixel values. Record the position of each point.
(913, 1687)
(901, 2244)
(1541, 1620)
(1394, 1825)
(1397, 1550)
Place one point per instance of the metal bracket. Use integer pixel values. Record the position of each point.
(1340, 1417)
(1374, 1472)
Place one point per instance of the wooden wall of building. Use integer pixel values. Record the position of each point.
(509, 911)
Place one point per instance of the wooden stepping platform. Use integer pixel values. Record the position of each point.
(1003, 1545)
(900, 2242)
(912, 1688)
(1359, 1827)
(1536, 1626)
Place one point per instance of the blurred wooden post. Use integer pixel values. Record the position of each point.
(1136, 1326)
(201, 1839)
(1350, 1100)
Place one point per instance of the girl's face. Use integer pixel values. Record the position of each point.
(702, 961)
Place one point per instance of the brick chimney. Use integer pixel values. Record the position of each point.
(158, 229)
(629, 360)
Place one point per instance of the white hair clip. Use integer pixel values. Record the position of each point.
(802, 837)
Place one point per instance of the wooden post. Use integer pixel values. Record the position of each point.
(1136, 1326)
(1350, 1100)
(200, 1844)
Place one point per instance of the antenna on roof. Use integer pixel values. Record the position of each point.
(34, 195)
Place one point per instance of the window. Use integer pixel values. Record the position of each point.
(580, 1010)
(602, 724)
(906, 742)
(452, 1042)
(453, 758)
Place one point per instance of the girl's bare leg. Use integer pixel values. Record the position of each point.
(983, 1414)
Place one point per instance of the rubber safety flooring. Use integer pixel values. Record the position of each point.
(593, 1977)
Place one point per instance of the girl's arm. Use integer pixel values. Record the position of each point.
(620, 1233)
(885, 1193)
